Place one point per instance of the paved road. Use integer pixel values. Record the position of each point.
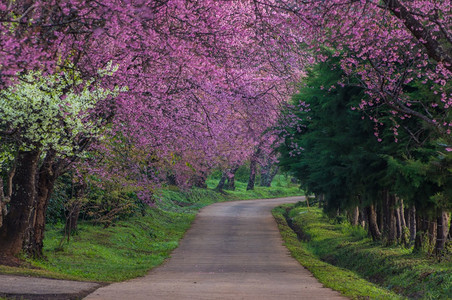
(21, 287)
(233, 251)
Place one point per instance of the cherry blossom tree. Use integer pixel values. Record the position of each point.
(195, 83)
(386, 45)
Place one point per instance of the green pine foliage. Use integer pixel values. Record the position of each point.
(339, 157)
(341, 152)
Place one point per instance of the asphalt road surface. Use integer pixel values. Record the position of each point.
(22, 287)
(232, 251)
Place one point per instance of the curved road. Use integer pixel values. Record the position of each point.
(232, 251)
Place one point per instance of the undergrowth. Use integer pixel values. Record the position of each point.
(341, 248)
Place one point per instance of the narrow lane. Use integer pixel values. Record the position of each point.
(232, 251)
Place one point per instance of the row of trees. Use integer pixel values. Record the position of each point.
(370, 129)
(177, 87)
(400, 191)
(132, 93)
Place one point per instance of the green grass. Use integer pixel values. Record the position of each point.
(352, 259)
(125, 250)
(281, 187)
(131, 247)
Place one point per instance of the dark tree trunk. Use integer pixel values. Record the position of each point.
(432, 230)
(2, 203)
(13, 231)
(362, 218)
(398, 223)
(3, 209)
(271, 176)
(231, 179)
(380, 216)
(73, 210)
(72, 218)
(231, 183)
(265, 173)
(402, 214)
(252, 178)
(6, 197)
(28, 236)
(426, 234)
(220, 185)
(420, 233)
(268, 172)
(412, 223)
(390, 230)
(407, 217)
(442, 232)
(373, 226)
(200, 181)
(404, 238)
(47, 176)
(321, 198)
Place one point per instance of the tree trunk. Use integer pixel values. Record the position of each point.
(402, 214)
(321, 200)
(200, 181)
(48, 173)
(252, 177)
(390, 230)
(2, 203)
(220, 185)
(362, 218)
(5, 198)
(355, 216)
(72, 218)
(412, 223)
(420, 238)
(380, 216)
(271, 176)
(398, 223)
(231, 179)
(442, 231)
(373, 226)
(265, 173)
(12, 233)
(407, 217)
(432, 230)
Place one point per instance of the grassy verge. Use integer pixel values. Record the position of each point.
(343, 258)
(131, 247)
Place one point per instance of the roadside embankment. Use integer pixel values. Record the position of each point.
(344, 258)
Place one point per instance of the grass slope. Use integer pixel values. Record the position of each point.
(351, 259)
(131, 247)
